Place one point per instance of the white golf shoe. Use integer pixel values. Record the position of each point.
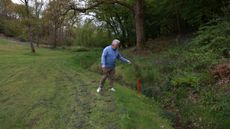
(98, 89)
(112, 89)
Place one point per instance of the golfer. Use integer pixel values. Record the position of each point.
(108, 63)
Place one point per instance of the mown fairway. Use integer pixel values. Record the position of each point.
(48, 90)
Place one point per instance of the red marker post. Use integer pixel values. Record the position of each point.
(139, 87)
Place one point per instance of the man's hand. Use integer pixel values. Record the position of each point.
(129, 62)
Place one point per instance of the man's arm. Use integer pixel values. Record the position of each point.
(120, 57)
(103, 56)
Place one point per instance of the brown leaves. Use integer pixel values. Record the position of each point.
(221, 73)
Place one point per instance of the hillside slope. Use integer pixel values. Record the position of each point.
(50, 90)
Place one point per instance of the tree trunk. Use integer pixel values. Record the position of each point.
(55, 36)
(139, 19)
(37, 40)
(178, 22)
(29, 26)
(30, 39)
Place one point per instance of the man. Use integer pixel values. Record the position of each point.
(108, 63)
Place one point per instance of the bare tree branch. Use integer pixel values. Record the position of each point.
(22, 1)
(124, 4)
(72, 6)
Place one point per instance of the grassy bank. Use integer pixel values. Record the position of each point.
(51, 89)
(181, 77)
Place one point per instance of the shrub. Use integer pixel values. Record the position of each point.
(91, 36)
(185, 80)
(214, 37)
(12, 28)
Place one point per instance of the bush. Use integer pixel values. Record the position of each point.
(86, 59)
(12, 28)
(91, 36)
(80, 49)
(1, 25)
(185, 80)
(214, 37)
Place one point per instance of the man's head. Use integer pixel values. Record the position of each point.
(115, 44)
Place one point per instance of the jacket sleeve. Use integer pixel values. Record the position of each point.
(120, 57)
(103, 56)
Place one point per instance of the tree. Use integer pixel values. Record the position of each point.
(136, 7)
(28, 18)
(5, 7)
(139, 18)
(118, 21)
(38, 5)
(54, 15)
(38, 8)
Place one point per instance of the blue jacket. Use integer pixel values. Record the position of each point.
(109, 57)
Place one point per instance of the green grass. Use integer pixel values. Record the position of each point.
(138, 112)
(52, 90)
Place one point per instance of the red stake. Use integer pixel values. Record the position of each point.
(139, 86)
